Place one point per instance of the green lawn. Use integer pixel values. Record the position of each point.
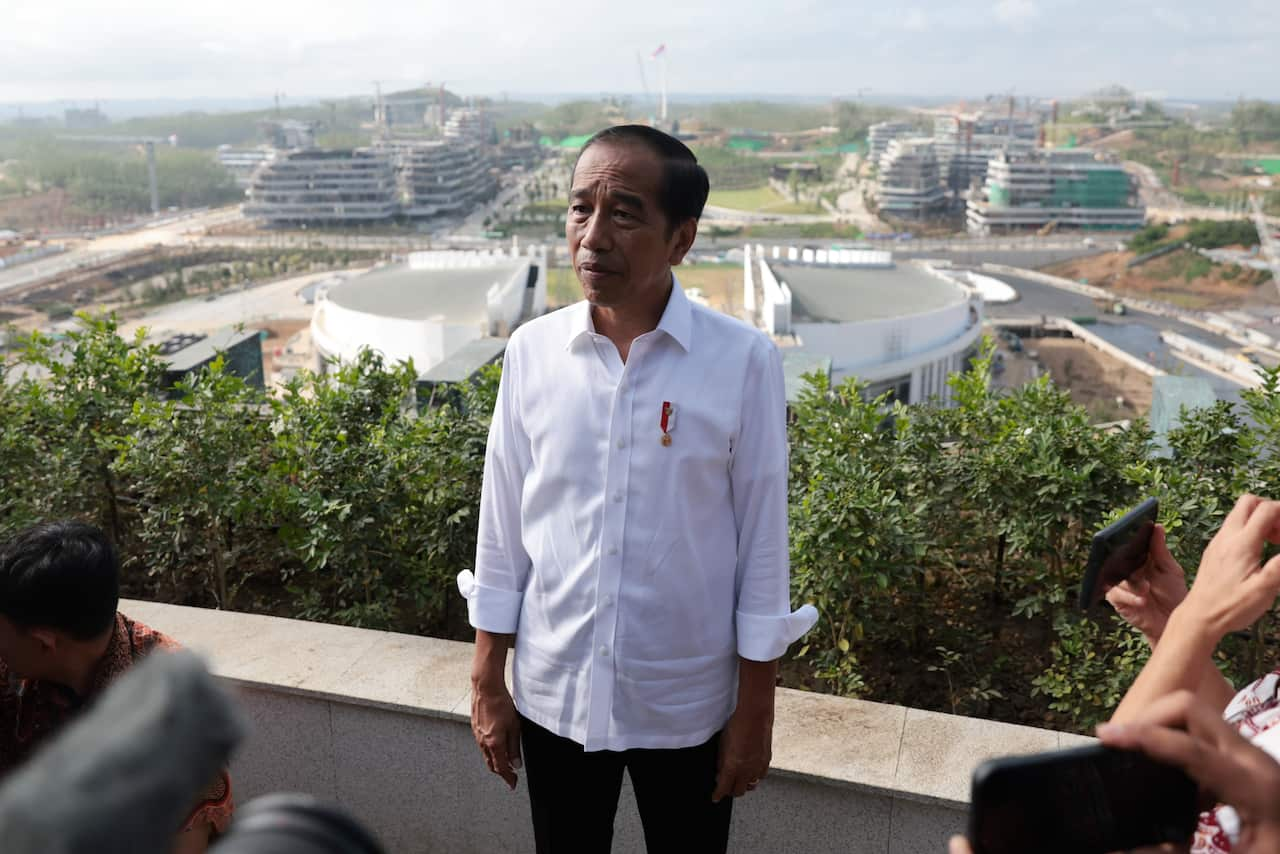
(759, 200)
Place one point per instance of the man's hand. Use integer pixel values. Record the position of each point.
(494, 721)
(746, 748)
(1181, 731)
(496, 727)
(746, 744)
(1149, 596)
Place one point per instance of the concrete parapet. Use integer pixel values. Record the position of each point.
(378, 721)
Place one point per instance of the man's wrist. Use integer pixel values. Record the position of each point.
(489, 666)
(756, 689)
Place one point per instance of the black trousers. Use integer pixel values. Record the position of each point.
(574, 795)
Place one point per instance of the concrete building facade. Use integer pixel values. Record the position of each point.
(441, 177)
(469, 124)
(881, 134)
(430, 306)
(903, 328)
(910, 182)
(965, 145)
(325, 186)
(243, 162)
(398, 177)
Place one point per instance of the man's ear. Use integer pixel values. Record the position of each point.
(682, 242)
(47, 639)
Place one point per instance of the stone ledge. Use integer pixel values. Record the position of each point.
(873, 747)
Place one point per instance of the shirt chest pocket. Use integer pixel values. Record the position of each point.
(687, 442)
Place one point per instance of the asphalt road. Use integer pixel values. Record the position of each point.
(1136, 333)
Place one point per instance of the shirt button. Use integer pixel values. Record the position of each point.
(608, 600)
(613, 550)
(617, 497)
(604, 651)
(621, 444)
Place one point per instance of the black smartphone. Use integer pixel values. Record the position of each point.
(1119, 550)
(1086, 800)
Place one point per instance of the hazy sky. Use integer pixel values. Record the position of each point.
(89, 49)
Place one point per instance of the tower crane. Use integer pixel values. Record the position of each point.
(1268, 244)
(149, 146)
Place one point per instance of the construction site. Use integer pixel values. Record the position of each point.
(995, 174)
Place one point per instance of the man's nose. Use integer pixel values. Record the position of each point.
(597, 236)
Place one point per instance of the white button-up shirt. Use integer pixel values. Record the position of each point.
(635, 571)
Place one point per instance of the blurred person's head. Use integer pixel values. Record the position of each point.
(59, 589)
(634, 204)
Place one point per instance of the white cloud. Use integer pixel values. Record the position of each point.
(916, 21)
(1015, 12)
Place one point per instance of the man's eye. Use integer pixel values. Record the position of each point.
(623, 215)
(580, 210)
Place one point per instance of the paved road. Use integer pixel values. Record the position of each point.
(274, 301)
(1136, 333)
(170, 231)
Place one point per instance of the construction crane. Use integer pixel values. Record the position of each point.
(1268, 244)
(433, 96)
(149, 145)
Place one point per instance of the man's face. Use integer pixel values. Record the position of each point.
(623, 248)
(21, 651)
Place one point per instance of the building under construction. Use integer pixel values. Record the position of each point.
(418, 179)
(469, 124)
(1070, 188)
(910, 184)
(881, 134)
(441, 177)
(318, 186)
(965, 145)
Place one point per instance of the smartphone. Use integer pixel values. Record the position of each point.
(1119, 550)
(1086, 800)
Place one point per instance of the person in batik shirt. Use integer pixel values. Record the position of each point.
(1233, 589)
(62, 643)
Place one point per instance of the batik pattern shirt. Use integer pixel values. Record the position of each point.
(33, 711)
(1255, 713)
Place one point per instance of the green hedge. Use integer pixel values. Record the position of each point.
(943, 547)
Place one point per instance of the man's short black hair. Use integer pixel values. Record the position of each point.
(685, 184)
(61, 575)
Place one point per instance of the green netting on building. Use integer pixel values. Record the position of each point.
(998, 195)
(1269, 165)
(574, 141)
(1092, 188)
(851, 148)
(747, 144)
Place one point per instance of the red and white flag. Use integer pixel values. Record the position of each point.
(662, 48)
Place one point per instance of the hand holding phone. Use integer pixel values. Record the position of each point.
(1088, 800)
(1147, 598)
(1119, 550)
(1184, 730)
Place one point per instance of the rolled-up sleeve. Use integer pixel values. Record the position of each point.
(495, 592)
(766, 625)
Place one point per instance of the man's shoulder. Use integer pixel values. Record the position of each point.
(144, 640)
(549, 330)
(724, 331)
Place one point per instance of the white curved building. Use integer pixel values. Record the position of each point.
(901, 327)
(426, 308)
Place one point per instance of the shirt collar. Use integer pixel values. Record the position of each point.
(676, 322)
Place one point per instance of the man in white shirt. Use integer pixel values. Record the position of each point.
(633, 529)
